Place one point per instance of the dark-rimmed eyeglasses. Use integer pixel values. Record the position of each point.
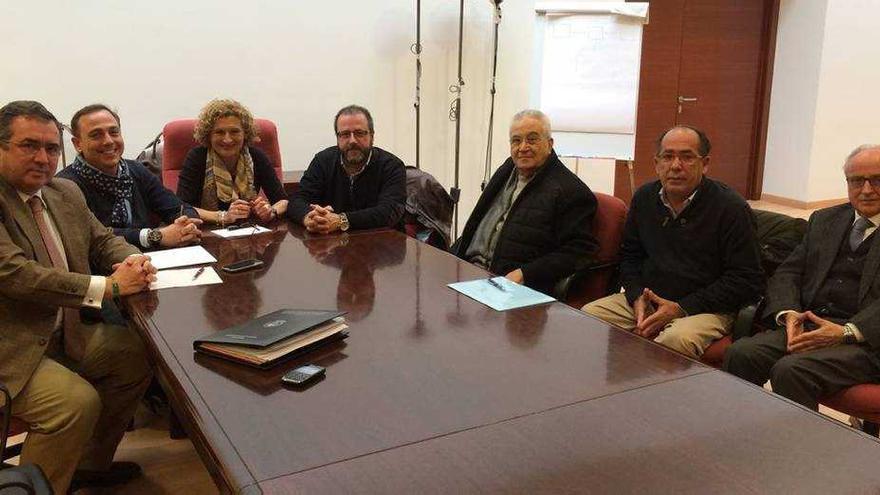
(359, 134)
(859, 182)
(667, 158)
(31, 148)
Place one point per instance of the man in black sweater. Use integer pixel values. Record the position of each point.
(689, 258)
(353, 185)
(122, 193)
(532, 224)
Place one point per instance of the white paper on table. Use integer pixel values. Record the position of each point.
(226, 233)
(185, 256)
(184, 278)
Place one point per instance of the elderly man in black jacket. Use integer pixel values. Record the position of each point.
(689, 258)
(532, 223)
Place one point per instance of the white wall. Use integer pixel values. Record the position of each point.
(824, 100)
(290, 61)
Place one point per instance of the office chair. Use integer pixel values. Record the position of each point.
(599, 279)
(28, 478)
(178, 137)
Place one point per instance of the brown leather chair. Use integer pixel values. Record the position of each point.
(178, 139)
(600, 278)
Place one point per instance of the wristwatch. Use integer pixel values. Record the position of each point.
(849, 335)
(154, 237)
(343, 222)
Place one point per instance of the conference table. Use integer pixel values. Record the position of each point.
(433, 392)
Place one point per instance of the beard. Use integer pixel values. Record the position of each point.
(355, 155)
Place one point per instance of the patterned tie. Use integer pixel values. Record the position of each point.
(74, 344)
(857, 235)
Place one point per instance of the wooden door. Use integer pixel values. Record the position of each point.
(716, 52)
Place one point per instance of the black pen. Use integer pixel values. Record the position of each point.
(198, 272)
(496, 285)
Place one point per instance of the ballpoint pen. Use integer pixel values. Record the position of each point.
(198, 272)
(496, 285)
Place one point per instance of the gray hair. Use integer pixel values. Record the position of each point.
(859, 149)
(534, 114)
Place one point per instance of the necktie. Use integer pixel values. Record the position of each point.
(857, 235)
(74, 343)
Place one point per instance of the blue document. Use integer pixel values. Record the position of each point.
(501, 294)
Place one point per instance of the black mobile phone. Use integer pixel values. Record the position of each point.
(245, 225)
(303, 374)
(240, 266)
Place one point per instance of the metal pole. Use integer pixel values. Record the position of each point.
(417, 50)
(488, 165)
(455, 114)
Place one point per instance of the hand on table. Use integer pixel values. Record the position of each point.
(133, 275)
(183, 231)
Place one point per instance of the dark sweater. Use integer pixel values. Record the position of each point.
(376, 199)
(706, 259)
(192, 177)
(150, 202)
(547, 232)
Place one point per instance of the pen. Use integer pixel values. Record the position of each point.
(496, 285)
(198, 272)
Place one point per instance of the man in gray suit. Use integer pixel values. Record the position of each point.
(76, 383)
(826, 300)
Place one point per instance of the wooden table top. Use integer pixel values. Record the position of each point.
(435, 391)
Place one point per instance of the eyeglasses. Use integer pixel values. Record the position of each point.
(859, 182)
(359, 134)
(667, 158)
(30, 147)
(532, 139)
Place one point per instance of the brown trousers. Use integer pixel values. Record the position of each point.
(78, 412)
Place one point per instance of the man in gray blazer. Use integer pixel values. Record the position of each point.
(826, 300)
(76, 383)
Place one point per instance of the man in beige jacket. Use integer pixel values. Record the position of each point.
(74, 380)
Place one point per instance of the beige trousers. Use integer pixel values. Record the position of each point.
(79, 412)
(690, 335)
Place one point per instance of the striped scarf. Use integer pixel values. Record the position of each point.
(220, 187)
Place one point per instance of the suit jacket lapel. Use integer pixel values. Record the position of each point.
(870, 270)
(24, 218)
(832, 233)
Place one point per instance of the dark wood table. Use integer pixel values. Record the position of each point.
(434, 392)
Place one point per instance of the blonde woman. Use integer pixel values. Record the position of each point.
(224, 176)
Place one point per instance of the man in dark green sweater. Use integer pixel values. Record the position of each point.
(689, 258)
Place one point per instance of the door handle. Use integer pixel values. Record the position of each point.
(685, 99)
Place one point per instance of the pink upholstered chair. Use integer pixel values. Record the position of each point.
(594, 281)
(178, 139)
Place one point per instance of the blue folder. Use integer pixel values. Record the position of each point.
(503, 296)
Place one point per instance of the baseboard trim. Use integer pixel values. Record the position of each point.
(803, 205)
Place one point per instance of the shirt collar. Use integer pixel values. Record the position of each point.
(25, 197)
(874, 220)
(684, 205)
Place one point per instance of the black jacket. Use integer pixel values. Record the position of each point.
(192, 177)
(548, 232)
(376, 199)
(706, 260)
(150, 202)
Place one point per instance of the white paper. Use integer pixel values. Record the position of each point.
(185, 256)
(184, 278)
(590, 73)
(226, 233)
